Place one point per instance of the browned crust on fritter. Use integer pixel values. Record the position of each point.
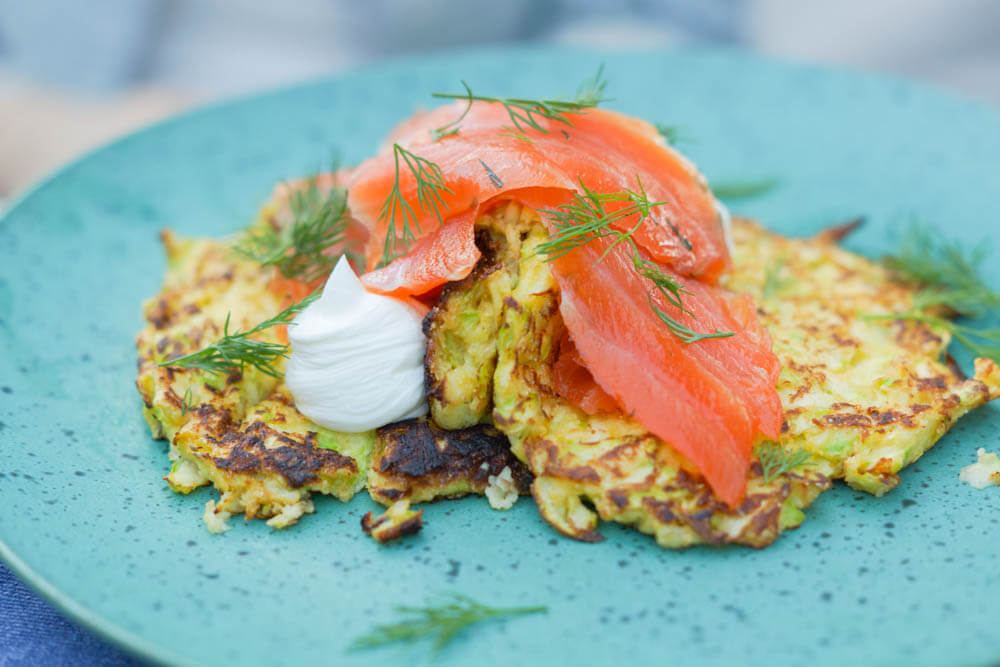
(415, 459)
(298, 460)
(258, 449)
(837, 233)
(383, 530)
(864, 393)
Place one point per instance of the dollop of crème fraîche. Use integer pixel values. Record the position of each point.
(357, 358)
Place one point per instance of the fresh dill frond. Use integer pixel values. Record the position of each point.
(187, 402)
(585, 219)
(514, 133)
(949, 275)
(744, 189)
(299, 250)
(671, 291)
(667, 286)
(525, 113)
(440, 623)
(980, 342)
(234, 351)
(453, 127)
(682, 331)
(590, 93)
(775, 460)
(430, 186)
(671, 133)
(949, 272)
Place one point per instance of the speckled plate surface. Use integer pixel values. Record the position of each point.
(911, 578)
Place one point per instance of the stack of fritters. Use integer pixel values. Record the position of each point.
(864, 396)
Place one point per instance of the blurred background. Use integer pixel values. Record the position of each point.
(76, 74)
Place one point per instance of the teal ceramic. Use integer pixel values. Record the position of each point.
(911, 578)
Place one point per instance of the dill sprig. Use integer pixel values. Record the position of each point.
(585, 219)
(525, 113)
(441, 623)
(298, 250)
(682, 331)
(234, 351)
(187, 402)
(513, 133)
(775, 460)
(980, 342)
(949, 271)
(430, 186)
(744, 189)
(950, 276)
(671, 134)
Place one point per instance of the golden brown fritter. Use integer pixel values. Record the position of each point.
(607, 465)
(240, 430)
(396, 522)
(269, 463)
(863, 396)
(461, 329)
(418, 461)
(205, 283)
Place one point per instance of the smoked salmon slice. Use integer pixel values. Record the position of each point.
(707, 399)
(610, 152)
(712, 399)
(445, 256)
(572, 381)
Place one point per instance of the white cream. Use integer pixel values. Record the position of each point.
(357, 359)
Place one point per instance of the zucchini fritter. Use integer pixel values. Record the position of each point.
(205, 283)
(418, 461)
(268, 464)
(238, 431)
(461, 329)
(610, 461)
(865, 397)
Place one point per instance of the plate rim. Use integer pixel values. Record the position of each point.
(131, 643)
(406, 60)
(136, 644)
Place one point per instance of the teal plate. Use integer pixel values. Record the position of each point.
(910, 578)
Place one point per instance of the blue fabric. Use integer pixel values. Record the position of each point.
(34, 634)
